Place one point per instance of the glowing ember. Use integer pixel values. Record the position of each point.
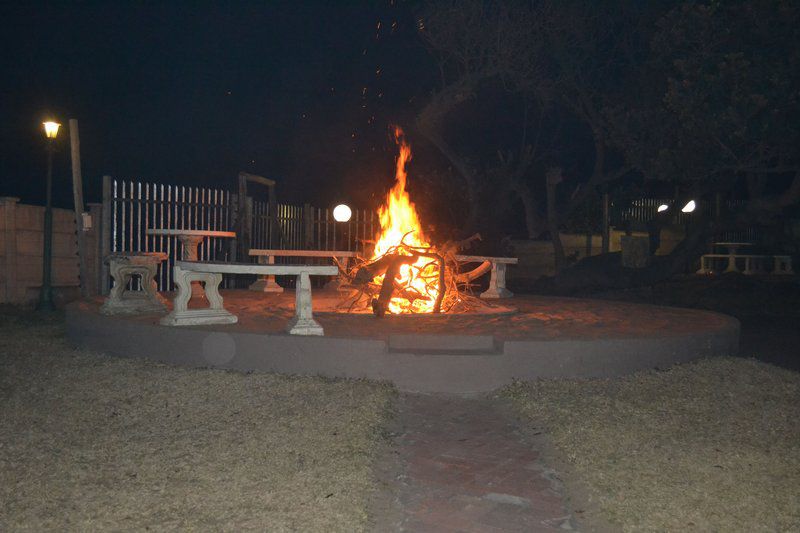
(401, 232)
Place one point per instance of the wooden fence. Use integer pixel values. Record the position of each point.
(643, 210)
(132, 207)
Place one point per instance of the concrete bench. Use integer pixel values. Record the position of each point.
(267, 257)
(123, 266)
(185, 272)
(705, 266)
(753, 264)
(497, 281)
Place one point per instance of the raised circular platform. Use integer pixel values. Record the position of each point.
(546, 338)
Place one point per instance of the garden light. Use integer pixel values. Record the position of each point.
(342, 213)
(51, 129)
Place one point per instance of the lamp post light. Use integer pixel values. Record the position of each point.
(46, 296)
(341, 214)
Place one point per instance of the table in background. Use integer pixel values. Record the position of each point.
(732, 248)
(190, 242)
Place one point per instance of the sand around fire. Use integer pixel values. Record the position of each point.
(89, 442)
(707, 446)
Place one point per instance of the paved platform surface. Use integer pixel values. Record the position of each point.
(536, 317)
(464, 467)
(544, 338)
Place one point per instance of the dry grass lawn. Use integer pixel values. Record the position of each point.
(89, 442)
(708, 446)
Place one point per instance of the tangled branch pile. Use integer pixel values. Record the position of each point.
(436, 280)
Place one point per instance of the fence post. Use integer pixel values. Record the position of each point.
(105, 234)
(274, 228)
(308, 227)
(94, 251)
(8, 208)
(606, 240)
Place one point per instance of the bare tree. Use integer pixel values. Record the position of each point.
(478, 44)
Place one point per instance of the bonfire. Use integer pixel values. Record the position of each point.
(406, 273)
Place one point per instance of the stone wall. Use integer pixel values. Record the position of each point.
(21, 244)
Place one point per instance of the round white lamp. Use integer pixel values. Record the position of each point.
(689, 207)
(342, 213)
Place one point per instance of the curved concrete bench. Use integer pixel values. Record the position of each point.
(185, 272)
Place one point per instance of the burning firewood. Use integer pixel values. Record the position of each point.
(406, 273)
(372, 270)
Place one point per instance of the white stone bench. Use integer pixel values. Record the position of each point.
(185, 272)
(705, 266)
(123, 266)
(267, 257)
(753, 264)
(497, 281)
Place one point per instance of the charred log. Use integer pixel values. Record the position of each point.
(437, 305)
(370, 271)
(392, 265)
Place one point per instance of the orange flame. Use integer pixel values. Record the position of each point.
(400, 224)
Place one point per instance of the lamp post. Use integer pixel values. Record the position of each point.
(341, 214)
(46, 296)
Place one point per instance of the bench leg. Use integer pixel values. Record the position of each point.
(121, 301)
(181, 315)
(732, 264)
(704, 269)
(748, 266)
(497, 283)
(266, 283)
(303, 322)
(150, 287)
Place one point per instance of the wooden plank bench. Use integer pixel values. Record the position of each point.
(497, 281)
(267, 256)
(210, 273)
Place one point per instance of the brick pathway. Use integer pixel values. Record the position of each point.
(463, 466)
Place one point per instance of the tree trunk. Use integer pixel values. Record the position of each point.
(554, 177)
(535, 225)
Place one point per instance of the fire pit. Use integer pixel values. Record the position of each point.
(463, 344)
(406, 274)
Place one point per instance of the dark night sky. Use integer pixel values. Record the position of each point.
(192, 93)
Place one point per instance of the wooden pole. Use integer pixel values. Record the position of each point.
(606, 239)
(274, 227)
(77, 195)
(105, 235)
(554, 177)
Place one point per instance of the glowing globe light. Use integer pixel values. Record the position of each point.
(51, 129)
(662, 208)
(689, 207)
(342, 213)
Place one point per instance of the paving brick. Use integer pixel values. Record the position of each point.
(467, 469)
